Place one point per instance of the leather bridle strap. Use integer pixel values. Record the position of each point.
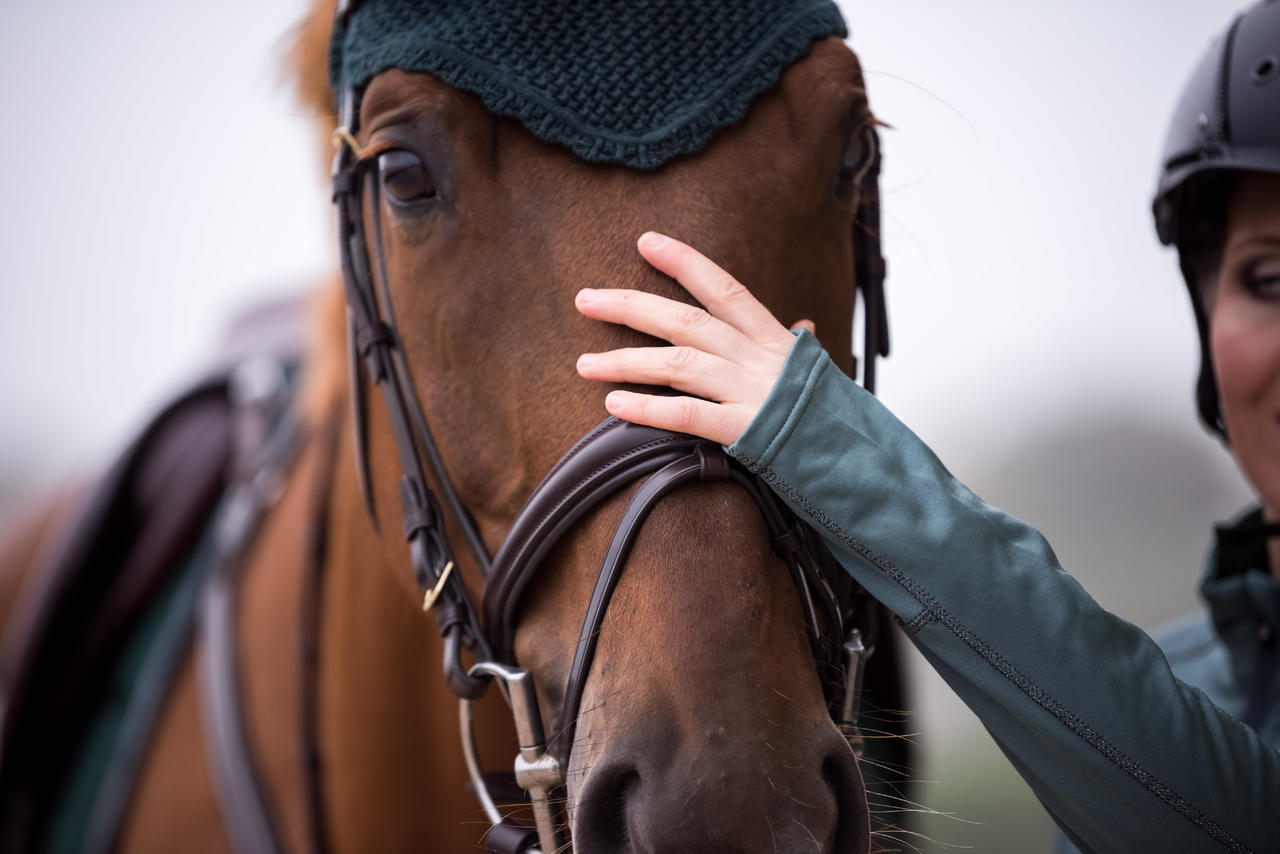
(698, 464)
(375, 338)
(611, 456)
(870, 269)
(706, 462)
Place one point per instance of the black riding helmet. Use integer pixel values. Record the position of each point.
(1227, 121)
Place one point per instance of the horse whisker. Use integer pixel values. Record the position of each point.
(816, 844)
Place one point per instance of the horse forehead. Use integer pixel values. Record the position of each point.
(396, 93)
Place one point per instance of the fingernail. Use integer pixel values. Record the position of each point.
(585, 361)
(652, 240)
(613, 401)
(586, 295)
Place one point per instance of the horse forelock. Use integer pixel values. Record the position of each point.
(306, 63)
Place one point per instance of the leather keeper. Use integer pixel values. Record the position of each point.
(371, 335)
(789, 541)
(713, 464)
(345, 181)
(416, 519)
(448, 615)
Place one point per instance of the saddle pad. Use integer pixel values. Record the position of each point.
(93, 636)
(631, 83)
(76, 610)
(85, 814)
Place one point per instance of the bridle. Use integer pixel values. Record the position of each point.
(611, 457)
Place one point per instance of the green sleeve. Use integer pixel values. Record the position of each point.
(1123, 755)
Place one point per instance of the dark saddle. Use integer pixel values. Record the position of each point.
(131, 534)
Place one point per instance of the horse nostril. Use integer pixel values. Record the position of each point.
(601, 820)
(840, 771)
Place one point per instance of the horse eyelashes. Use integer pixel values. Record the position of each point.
(858, 154)
(405, 178)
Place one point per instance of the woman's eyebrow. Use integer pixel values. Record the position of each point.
(1250, 240)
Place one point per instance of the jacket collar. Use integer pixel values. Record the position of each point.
(1242, 594)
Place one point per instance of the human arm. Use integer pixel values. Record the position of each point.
(1122, 754)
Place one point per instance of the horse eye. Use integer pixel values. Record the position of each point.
(405, 177)
(858, 154)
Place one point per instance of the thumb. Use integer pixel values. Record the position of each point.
(806, 325)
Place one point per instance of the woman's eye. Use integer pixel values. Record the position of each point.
(858, 154)
(405, 177)
(1263, 279)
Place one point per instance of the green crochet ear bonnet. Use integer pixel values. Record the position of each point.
(632, 83)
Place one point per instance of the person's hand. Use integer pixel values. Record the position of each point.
(729, 354)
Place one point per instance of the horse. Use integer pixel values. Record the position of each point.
(700, 721)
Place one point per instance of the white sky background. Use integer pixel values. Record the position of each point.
(155, 177)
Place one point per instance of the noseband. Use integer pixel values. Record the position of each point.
(611, 457)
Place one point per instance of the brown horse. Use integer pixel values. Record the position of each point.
(704, 726)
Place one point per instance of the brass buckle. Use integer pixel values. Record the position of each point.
(434, 593)
(342, 137)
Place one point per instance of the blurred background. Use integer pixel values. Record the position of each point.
(158, 177)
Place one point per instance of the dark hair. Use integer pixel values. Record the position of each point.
(1202, 203)
(1203, 231)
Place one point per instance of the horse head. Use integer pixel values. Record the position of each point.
(702, 723)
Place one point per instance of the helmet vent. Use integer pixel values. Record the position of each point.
(1224, 81)
(1266, 70)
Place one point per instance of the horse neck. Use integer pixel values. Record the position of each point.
(387, 722)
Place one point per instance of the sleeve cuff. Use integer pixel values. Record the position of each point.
(769, 429)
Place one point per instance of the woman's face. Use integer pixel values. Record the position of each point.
(1245, 332)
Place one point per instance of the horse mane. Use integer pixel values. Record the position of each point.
(305, 69)
(306, 63)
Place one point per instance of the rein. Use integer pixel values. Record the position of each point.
(270, 439)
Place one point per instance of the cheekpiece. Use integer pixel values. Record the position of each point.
(629, 83)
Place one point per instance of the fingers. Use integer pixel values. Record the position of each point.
(682, 368)
(730, 353)
(807, 325)
(677, 322)
(724, 297)
(712, 421)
